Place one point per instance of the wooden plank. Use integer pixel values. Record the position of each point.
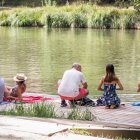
(127, 116)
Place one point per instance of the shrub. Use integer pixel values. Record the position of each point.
(137, 5)
(96, 20)
(4, 19)
(27, 18)
(79, 20)
(59, 20)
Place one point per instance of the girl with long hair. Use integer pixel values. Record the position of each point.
(109, 84)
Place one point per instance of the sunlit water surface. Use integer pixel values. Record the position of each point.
(44, 54)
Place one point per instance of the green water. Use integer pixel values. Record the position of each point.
(44, 54)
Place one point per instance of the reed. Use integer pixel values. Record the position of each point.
(71, 16)
(59, 20)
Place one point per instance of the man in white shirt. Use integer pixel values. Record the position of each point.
(69, 87)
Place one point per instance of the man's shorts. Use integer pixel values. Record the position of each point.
(82, 93)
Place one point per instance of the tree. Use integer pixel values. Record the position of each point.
(137, 5)
(2, 2)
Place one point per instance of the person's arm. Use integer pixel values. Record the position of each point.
(83, 81)
(7, 91)
(12, 98)
(85, 85)
(120, 85)
(100, 84)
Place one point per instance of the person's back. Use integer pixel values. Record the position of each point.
(20, 88)
(69, 86)
(109, 88)
(70, 83)
(1, 89)
(109, 82)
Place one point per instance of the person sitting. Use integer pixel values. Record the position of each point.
(15, 93)
(2, 87)
(109, 81)
(69, 87)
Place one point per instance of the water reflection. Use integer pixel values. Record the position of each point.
(44, 54)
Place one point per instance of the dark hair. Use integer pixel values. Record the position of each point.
(20, 82)
(110, 73)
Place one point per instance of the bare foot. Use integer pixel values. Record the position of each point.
(113, 106)
(107, 107)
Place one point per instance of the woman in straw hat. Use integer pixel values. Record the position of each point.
(17, 91)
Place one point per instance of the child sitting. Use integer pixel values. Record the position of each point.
(109, 83)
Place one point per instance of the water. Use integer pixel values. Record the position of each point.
(44, 54)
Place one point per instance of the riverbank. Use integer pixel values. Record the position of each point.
(123, 123)
(71, 16)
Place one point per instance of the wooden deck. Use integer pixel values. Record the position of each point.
(125, 116)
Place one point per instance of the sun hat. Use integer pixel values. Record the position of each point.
(20, 77)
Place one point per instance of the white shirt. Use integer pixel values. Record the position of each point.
(70, 84)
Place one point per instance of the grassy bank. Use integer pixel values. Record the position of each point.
(71, 16)
(46, 110)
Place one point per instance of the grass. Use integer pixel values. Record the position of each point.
(89, 133)
(46, 110)
(77, 114)
(34, 110)
(71, 16)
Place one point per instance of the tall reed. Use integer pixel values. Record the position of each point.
(81, 16)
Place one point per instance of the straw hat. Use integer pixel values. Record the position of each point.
(20, 77)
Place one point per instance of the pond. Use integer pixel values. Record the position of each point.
(44, 54)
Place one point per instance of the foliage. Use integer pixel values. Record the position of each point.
(27, 18)
(137, 5)
(3, 19)
(48, 111)
(79, 20)
(129, 21)
(35, 110)
(33, 3)
(82, 16)
(59, 20)
(76, 114)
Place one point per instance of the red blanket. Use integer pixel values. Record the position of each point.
(33, 99)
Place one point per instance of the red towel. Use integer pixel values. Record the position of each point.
(32, 99)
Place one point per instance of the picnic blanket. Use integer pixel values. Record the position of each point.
(29, 99)
(33, 99)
